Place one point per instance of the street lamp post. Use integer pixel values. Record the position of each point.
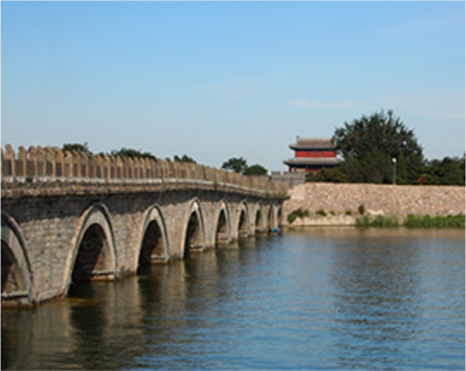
(394, 170)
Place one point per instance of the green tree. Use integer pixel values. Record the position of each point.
(401, 169)
(235, 164)
(369, 144)
(132, 153)
(255, 170)
(327, 175)
(448, 171)
(82, 149)
(184, 158)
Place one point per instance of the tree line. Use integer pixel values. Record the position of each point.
(123, 153)
(237, 165)
(379, 148)
(370, 147)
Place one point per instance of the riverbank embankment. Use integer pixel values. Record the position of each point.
(341, 202)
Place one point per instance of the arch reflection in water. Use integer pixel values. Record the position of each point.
(309, 299)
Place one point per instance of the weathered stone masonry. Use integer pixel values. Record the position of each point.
(69, 216)
(56, 233)
(378, 199)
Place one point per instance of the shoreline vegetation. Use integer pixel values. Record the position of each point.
(379, 221)
(412, 221)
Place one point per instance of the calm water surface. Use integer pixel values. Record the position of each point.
(320, 298)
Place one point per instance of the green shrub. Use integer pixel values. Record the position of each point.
(412, 221)
(298, 213)
(379, 221)
(327, 175)
(321, 212)
(291, 218)
(348, 212)
(361, 209)
(310, 176)
(363, 222)
(426, 221)
(301, 213)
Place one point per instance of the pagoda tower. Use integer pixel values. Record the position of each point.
(312, 154)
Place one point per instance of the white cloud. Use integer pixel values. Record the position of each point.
(445, 105)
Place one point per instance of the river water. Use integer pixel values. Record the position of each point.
(313, 299)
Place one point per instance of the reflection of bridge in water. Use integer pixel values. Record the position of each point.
(68, 217)
(39, 340)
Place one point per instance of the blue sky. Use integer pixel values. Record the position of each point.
(216, 80)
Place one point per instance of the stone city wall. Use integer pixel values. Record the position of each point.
(377, 199)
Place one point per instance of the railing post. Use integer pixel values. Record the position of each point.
(119, 167)
(31, 167)
(193, 171)
(169, 169)
(50, 161)
(106, 167)
(156, 167)
(113, 171)
(3, 160)
(41, 161)
(8, 161)
(76, 164)
(129, 168)
(21, 162)
(85, 165)
(183, 170)
(68, 164)
(94, 167)
(147, 166)
(140, 173)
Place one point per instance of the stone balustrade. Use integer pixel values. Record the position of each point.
(49, 163)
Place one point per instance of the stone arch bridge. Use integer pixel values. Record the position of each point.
(60, 229)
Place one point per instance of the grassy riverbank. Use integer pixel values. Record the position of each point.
(412, 221)
(450, 221)
(379, 221)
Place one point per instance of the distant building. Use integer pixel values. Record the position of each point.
(312, 154)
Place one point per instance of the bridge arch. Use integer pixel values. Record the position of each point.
(193, 238)
(243, 221)
(222, 225)
(259, 219)
(153, 241)
(17, 278)
(92, 255)
(271, 220)
(279, 215)
(274, 216)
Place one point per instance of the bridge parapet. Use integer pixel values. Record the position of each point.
(45, 164)
(68, 217)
